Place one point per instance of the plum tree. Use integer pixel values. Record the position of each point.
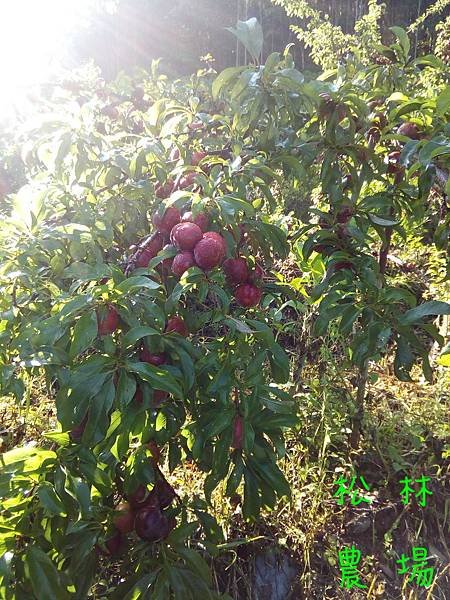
(149, 250)
(164, 493)
(115, 544)
(156, 359)
(187, 372)
(164, 190)
(238, 432)
(214, 235)
(198, 156)
(187, 180)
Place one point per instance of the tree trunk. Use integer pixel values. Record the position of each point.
(416, 40)
(262, 25)
(245, 18)
(384, 251)
(360, 396)
(238, 3)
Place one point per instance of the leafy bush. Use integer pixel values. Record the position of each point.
(157, 365)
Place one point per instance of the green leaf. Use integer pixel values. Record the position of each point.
(444, 358)
(99, 408)
(434, 147)
(434, 307)
(136, 334)
(404, 360)
(231, 205)
(137, 282)
(159, 379)
(271, 62)
(50, 500)
(161, 422)
(139, 590)
(405, 109)
(238, 324)
(65, 143)
(254, 370)
(112, 176)
(235, 476)
(443, 101)
(446, 350)
(45, 579)
(279, 362)
(270, 422)
(293, 77)
(252, 499)
(383, 222)
(349, 316)
(223, 78)
(430, 60)
(197, 564)
(174, 454)
(267, 233)
(75, 305)
(249, 437)
(221, 419)
(85, 272)
(250, 34)
(62, 439)
(187, 366)
(240, 86)
(184, 584)
(403, 38)
(95, 475)
(273, 476)
(26, 459)
(284, 406)
(84, 333)
(126, 388)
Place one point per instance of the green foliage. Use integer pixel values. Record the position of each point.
(96, 172)
(435, 9)
(251, 35)
(327, 42)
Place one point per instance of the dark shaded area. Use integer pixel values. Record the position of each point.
(182, 31)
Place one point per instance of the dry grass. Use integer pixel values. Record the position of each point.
(406, 431)
(25, 422)
(406, 428)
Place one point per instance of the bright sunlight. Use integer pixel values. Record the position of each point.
(34, 40)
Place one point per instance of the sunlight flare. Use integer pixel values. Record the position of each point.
(34, 39)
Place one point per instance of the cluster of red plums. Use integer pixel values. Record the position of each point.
(195, 245)
(108, 321)
(143, 512)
